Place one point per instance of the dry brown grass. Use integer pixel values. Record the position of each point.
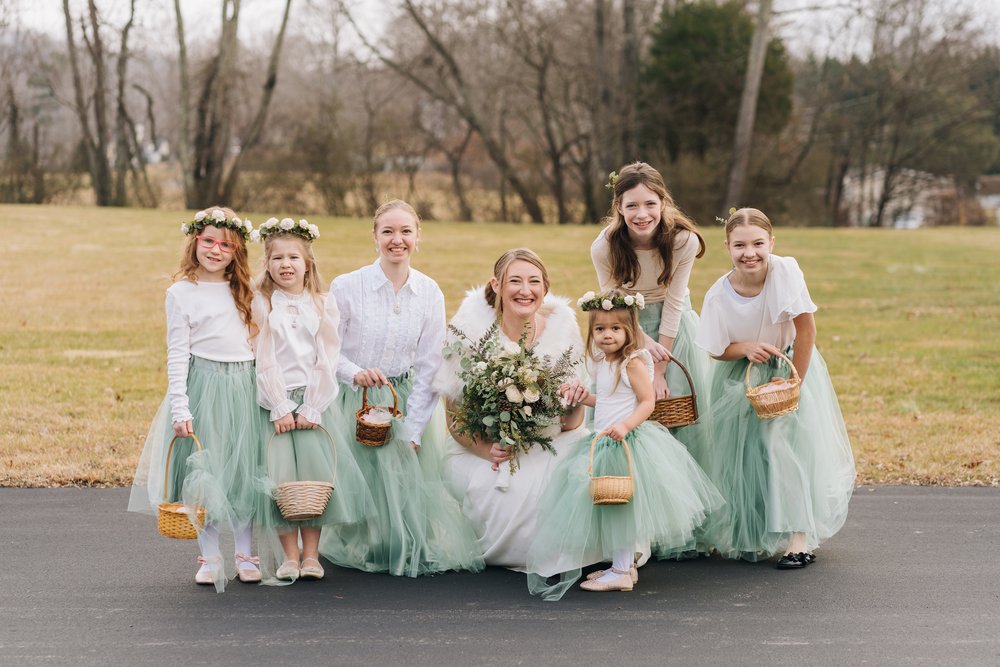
(907, 324)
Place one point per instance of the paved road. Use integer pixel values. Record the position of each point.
(912, 579)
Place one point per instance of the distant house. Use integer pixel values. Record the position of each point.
(919, 199)
(988, 196)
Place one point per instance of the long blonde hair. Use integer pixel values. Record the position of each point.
(500, 273)
(313, 282)
(624, 261)
(237, 273)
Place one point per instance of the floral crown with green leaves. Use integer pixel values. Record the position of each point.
(216, 217)
(610, 300)
(722, 221)
(302, 228)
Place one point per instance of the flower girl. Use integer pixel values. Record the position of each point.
(297, 352)
(211, 392)
(672, 496)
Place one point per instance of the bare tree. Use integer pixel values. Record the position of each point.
(210, 175)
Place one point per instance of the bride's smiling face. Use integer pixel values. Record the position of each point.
(523, 289)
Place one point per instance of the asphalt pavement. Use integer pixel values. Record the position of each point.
(912, 579)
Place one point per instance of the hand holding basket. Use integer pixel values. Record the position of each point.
(375, 435)
(303, 500)
(677, 411)
(777, 397)
(177, 520)
(610, 489)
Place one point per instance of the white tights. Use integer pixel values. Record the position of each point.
(208, 541)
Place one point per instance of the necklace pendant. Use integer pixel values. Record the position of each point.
(396, 309)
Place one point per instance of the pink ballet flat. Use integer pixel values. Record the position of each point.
(632, 570)
(206, 576)
(247, 575)
(623, 582)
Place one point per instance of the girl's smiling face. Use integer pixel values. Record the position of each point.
(396, 236)
(749, 247)
(214, 251)
(286, 264)
(642, 209)
(523, 289)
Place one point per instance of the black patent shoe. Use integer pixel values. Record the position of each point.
(795, 561)
(810, 557)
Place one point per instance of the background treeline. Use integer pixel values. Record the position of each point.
(510, 110)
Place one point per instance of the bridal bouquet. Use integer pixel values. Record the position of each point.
(510, 394)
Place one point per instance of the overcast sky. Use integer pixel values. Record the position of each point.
(819, 29)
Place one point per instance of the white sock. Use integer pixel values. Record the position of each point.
(243, 536)
(208, 541)
(622, 560)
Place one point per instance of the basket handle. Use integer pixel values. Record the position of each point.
(166, 469)
(590, 465)
(795, 373)
(677, 361)
(333, 446)
(395, 398)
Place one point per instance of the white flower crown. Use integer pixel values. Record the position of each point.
(216, 217)
(301, 228)
(610, 300)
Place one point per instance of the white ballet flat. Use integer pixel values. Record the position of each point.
(311, 571)
(289, 570)
(632, 570)
(623, 582)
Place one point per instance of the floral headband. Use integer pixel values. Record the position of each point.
(610, 300)
(271, 226)
(216, 217)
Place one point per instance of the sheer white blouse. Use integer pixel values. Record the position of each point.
(202, 321)
(298, 346)
(394, 332)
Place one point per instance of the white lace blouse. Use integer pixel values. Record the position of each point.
(298, 346)
(394, 332)
(202, 321)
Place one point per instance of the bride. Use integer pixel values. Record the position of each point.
(502, 509)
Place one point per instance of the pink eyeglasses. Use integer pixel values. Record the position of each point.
(207, 242)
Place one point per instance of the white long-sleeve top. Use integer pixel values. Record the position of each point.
(202, 321)
(671, 295)
(394, 332)
(298, 346)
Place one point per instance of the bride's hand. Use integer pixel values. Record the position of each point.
(573, 392)
(498, 455)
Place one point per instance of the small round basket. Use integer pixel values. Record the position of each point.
(677, 411)
(610, 489)
(304, 500)
(374, 435)
(768, 401)
(175, 519)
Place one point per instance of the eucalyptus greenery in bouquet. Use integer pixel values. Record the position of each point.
(511, 395)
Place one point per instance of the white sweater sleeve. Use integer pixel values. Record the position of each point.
(178, 358)
(677, 290)
(322, 387)
(271, 391)
(423, 398)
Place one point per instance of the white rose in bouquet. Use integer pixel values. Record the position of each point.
(514, 394)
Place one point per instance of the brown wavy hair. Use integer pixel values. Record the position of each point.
(313, 281)
(624, 262)
(500, 273)
(237, 273)
(629, 319)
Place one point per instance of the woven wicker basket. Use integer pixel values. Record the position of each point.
(770, 404)
(677, 411)
(303, 500)
(610, 489)
(174, 519)
(374, 435)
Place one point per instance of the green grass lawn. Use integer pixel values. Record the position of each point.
(908, 324)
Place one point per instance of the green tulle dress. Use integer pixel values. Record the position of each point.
(417, 528)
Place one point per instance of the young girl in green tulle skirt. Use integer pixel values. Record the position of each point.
(212, 393)
(672, 496)
(788, 479)
(297, 352)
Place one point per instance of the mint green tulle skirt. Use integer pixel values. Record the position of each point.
(672, 499)
(229, 425)
(793, 473)
(695, 437)
(304, 455)
(417, 528)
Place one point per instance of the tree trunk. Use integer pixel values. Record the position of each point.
(748, 107)
(629, 83)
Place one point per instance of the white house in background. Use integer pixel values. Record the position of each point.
(919, 199)
(988, 196)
